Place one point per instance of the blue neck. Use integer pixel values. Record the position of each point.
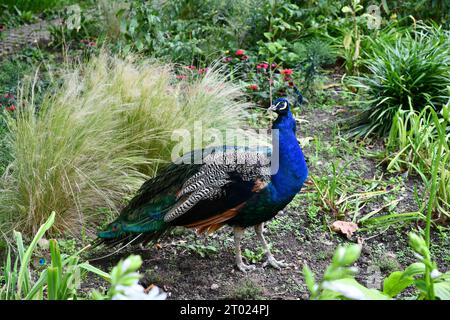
(292, 170)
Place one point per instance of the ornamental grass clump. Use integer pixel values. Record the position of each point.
(95, 139)
(407, 73)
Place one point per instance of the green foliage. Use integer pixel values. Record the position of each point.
(415, 140)
(188, 31)
(247, 290)
(200, 249)
(60, 280)
(407, 74)
(79, 28)
(338, 281)
(311, 56)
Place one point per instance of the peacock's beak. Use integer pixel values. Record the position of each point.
(272, 108)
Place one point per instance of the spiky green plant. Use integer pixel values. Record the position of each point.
(97, 137)
(415, 140)
(410, 72)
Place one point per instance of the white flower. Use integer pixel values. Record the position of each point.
(435, 273)
(137, 292)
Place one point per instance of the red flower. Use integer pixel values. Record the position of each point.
(253, 87)
(262, 66)
(239, 52)
(291, 84)
(11, 108)
(227, 59)
(287, 78)
(244, 57)
(286, 71)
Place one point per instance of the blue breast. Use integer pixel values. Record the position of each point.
(285, 183)
(292, 170)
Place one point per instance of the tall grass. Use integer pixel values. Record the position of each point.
(416, 139)
(410, 72)
(100, 135)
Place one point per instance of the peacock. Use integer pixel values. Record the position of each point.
(232, 185)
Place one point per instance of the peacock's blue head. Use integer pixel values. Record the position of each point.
(280, 106)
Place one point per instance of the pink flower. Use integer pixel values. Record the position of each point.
(274, 65)
(253, 87)
(191, 67)
(244, 57)
(227, 59)
(202, 70)
(92, 44)
(239, 52)
(181, 77)
(287, 71)
(11, 108)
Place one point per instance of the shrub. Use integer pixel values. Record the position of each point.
(100, 135)
(411, 72)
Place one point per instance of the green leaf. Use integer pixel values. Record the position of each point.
(23, 271)
(396, 283)
(132, 26)
(52, 283)
(90, 268)
(442, 290)
(347, 41)
(347, 9)
(414, 269)
(347, 255)
(55, 255)
(309, 279)
(268, 35)
(351, 289)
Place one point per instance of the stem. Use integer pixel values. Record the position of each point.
(436, 164)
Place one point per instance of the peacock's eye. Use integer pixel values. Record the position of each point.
(283, 106)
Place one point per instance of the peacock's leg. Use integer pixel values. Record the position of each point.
(270, 258)
(238, 232)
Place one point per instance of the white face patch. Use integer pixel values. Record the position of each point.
(283, 105)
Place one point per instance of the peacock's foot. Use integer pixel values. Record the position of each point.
(245, 267)
(275, 263)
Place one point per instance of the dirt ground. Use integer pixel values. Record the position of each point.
(188, 266)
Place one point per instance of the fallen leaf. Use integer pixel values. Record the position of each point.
(344, 227)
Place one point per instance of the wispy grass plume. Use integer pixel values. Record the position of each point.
(104, 131)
